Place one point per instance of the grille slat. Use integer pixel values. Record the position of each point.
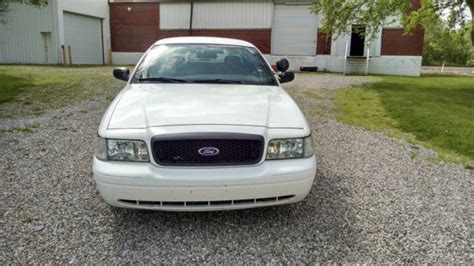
(188, 204)
(184, 150)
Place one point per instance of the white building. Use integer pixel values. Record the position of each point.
(36, 35)
(279, 28)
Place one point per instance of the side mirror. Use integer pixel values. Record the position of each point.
(283, 65)
(287, 77)
(122, 73)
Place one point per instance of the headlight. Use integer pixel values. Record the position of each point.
(122, 150)
(290, 148)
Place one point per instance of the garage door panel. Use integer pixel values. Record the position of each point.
(295, 33)
(293, 10)
(84, 36)
(294, 30)
(293, 25)
(296, 43)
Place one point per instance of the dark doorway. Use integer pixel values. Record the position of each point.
(357, 40)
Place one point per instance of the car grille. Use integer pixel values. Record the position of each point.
(207, 149)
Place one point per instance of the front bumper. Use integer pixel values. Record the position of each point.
(146, 186)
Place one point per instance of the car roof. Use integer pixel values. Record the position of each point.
(204, 40)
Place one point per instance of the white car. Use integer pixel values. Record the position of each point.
(203, 124)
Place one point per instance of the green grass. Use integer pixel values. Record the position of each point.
(10, 87)
(436, 111)
(35, 89)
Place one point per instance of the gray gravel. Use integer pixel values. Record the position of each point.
(370, 203)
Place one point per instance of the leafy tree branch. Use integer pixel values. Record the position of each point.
(337, 15)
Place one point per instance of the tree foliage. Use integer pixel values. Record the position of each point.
(449, 45)
(374, 13)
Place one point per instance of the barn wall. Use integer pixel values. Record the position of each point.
(145, 23)
(92, 8)
(394, 42)
(391, 52)
(233, 15)
(323, 46)
(396, 65)
(217, 15)
(134, 27)
(259, 38)
(21, 39)
(28, 29)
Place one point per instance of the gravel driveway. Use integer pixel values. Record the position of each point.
(370, 203)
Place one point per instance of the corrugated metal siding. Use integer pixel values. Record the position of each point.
(294, 30)
(93, 8)
(258, 37)
(83, 34)
(174, 16)
(217, 15)
(233, 15)
(21, 40)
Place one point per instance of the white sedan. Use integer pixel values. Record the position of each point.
(203, 124)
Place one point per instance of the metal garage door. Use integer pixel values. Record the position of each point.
(294, 30)
(84, 36)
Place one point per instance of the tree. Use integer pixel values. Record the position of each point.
(338, 14)
(445, 44)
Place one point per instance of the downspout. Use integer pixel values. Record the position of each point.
(102, 39)
(190, 33)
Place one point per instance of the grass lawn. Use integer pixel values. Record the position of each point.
(436, 111)
(35, 89)
(10, 87)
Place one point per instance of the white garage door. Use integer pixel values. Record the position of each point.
(294, 30)
(84, 36)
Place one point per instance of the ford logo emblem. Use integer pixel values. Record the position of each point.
(208, 151)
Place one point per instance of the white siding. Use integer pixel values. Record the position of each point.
(83, 34)
(29, 29)
(126, 58)
(294, 30)
(21, 40)
(217, 15)
(376, 45)
(396, 65)
(94, 8)
(174, 15)
(338, 46)
(384, 65)
(233, 15)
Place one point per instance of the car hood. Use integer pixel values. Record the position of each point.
(155, 105)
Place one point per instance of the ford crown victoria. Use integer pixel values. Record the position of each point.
(203, 124)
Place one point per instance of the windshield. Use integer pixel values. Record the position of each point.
(204, 63)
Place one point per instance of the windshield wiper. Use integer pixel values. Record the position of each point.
(164, 79)
(218, 81)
